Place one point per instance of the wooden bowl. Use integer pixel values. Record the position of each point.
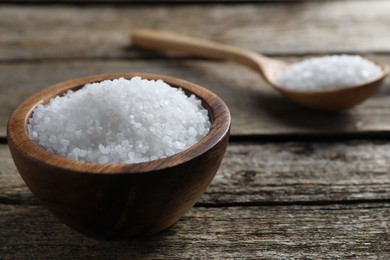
(119, 200)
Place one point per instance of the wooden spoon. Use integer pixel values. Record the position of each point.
(329, 100)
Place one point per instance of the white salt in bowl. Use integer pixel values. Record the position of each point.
(119, 200)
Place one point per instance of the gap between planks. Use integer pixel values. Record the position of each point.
(299, 27)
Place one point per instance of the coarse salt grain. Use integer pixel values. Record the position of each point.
(119, 121)
(328, 72)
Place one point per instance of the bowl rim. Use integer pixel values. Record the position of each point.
(18, 137)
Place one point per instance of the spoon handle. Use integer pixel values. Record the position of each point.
(167, 41)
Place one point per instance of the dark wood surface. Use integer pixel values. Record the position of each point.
(294, 183)
(357, 231)
(279, 206)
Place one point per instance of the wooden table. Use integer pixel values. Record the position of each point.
(294, 183)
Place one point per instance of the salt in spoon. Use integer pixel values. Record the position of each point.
(328, 100)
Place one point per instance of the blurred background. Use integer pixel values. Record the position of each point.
(294, 182)
(46, 42)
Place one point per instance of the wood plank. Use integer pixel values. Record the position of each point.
(338, 231)
(256, 109)
(302, 173)
(34, 32)
(13, 190)
(272, 173)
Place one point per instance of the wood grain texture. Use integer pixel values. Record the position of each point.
(256, 109)
(34, 32)
(321, 232)
(302, 172)
(272, 173)
(268, 200)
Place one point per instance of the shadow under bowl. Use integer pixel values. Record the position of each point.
(119, 200)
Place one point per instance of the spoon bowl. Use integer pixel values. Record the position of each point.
(326, 100)
(119, 200)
